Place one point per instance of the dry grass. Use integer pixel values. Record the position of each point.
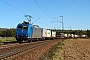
(76, 49)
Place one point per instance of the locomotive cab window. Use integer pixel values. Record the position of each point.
(19, 27)
(25, 27)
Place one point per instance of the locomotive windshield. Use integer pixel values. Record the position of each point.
(22, 27)
(25, 27)
(19, 27)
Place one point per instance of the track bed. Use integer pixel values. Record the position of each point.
(26, 51)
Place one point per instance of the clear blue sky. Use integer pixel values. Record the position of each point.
(76, 13)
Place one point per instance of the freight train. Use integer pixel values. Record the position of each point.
(28, 32)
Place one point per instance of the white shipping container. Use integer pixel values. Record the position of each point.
(69, 35)
(76, 36)
(53, 34)
(83, 36)
(44, 32)
(66, 35)
(72, 35)
(48, 33)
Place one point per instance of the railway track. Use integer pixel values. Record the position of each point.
(14, 49)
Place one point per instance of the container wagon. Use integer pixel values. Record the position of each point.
(53, 35)
(44, 33)
(48, 34)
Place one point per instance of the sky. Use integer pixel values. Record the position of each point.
(46, 13)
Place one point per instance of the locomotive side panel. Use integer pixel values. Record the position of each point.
(36, 32)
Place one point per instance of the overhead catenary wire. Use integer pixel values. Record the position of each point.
(21, 5)
(49, 14)
(13, 7)
(56, 19)
(24, 8)
(41, 9)
(47, 11)
(43, 6)
(39, 6)
(36, 20)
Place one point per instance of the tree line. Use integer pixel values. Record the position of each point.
(4, 32)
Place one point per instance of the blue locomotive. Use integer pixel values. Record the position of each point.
(28, 32)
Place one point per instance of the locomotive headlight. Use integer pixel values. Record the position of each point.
(17, 34)
(28, 37)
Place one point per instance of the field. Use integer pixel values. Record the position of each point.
(76, 50)
(7, 39)
(73, 49)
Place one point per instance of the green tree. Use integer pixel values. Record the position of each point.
(88, 33)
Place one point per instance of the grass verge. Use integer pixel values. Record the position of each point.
(9, 39)
(54, 53)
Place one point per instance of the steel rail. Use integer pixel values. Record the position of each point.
(10, 51)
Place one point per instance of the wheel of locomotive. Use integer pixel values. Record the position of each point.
(18, 41)
(29, 40)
